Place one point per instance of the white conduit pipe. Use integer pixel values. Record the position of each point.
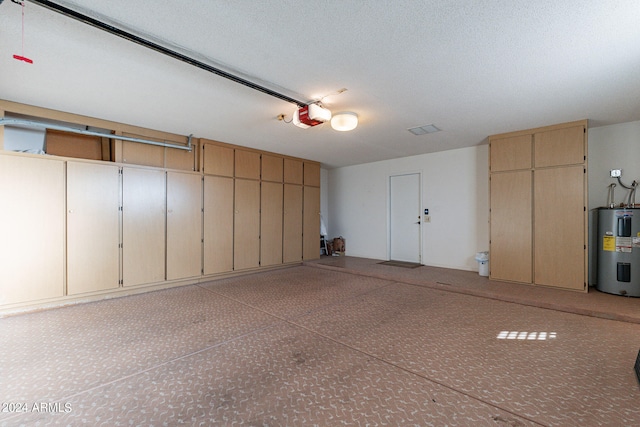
(39, 125)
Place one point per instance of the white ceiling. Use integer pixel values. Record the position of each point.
(472, 68)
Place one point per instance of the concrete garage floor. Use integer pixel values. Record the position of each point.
(340, 341)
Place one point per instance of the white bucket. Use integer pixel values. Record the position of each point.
(483, 268)
(483, 263)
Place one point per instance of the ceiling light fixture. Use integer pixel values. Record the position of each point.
(315, 114)
(344, 121)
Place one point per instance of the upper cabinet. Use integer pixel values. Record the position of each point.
(312, 174)
(247, 164)
(272, 168)
(558, 147)
(510, 153)
(217, 159)
(293, 171)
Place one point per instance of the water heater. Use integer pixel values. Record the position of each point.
(619, 251)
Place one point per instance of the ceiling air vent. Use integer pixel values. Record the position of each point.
(421, 130)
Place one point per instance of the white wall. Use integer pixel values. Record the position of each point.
(613, 147)
(610, 147)
(454, 189)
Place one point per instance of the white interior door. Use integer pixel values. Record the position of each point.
(404, 225)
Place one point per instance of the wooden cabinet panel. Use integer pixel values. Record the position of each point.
(67, 144)
(565, 146)
(247, 164)
(293, 171)
(246, 235)
(311, 223)
(311, 174)
(292, 224)
(31, 229)
(136, 153)
(559, 236)
(217, 160)
(272, 168)
(184, 225)
(180, 159)
(218, 224)
(271, 223)
(511, 153)
(93, 227)
(511, 226)
(143, 226)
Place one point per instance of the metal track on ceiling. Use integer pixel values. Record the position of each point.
(161, 49)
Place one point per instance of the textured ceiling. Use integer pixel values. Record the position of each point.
(472, 68)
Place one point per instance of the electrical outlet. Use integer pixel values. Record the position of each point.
(427, 218)
(616, 173)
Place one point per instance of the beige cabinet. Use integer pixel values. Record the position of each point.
(184, 225)
(246, 236)
(121, 214)
(559, 226)
(32, 224)
(311, 174)
(511, 153)
(293, 171)
(292, 224)
(247, 164)
(217, 159)
(271, 223)
(142, 154)
(560, 147)
(93, 227)
(143, 226)
(538, 206)
(311, 223)
(218, 224)
(272, 168)
(180, 159)
(511, 227)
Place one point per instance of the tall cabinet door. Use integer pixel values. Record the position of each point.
(511, 226)
(271, 223)
(93, 227)
(292, 224)
(311, 223)
(31, 229)
(184, 225)
(218, 224)
(246, 236)
(559, 240)
(143, 226)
